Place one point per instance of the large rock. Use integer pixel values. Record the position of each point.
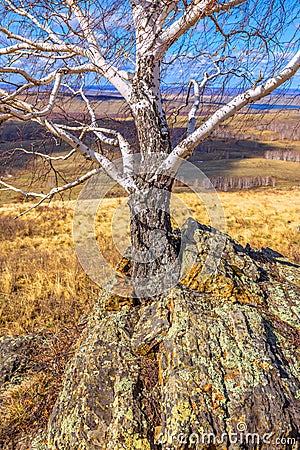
(18, 355)
(212, 364)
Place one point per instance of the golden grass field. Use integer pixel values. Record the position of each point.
(43, 285)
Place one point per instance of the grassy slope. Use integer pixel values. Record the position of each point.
(287, 173)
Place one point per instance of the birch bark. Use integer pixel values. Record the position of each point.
(154, 247)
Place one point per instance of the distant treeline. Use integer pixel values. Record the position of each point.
(231, 183)
(228, 183)
(283, 155)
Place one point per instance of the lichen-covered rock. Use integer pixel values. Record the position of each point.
(212, 364)
(99, 405)
(17, 354)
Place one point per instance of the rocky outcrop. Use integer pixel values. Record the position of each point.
(31, 369)
(213, 364)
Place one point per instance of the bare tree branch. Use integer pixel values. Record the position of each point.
(194, 12)
(184, 148)
(28, 44)
(196, 104)
(125, 181)
(197, 86)
(119, 140)
(52, 192)
(93, 53)
(33, 114)
(23, 12)
(32, 82)
(127, 155)
(44, 155)
(21, 191)
(25, 111)
(110, 72)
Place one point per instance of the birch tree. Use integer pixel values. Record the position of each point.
(49, 48)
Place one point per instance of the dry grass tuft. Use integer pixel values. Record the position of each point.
(27, 401)
(260, 217)
(42, 284)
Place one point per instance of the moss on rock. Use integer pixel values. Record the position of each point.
(215, 357)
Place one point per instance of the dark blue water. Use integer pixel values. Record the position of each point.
(264, 106)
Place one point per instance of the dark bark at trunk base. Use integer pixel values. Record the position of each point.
(155, 249)
(213, 364)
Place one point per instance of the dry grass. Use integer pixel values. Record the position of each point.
(42, 284)
(27, 400)
(44, 287)
(262, 218)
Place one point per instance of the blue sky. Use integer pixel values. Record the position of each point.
(252, 57)
(243, 58)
